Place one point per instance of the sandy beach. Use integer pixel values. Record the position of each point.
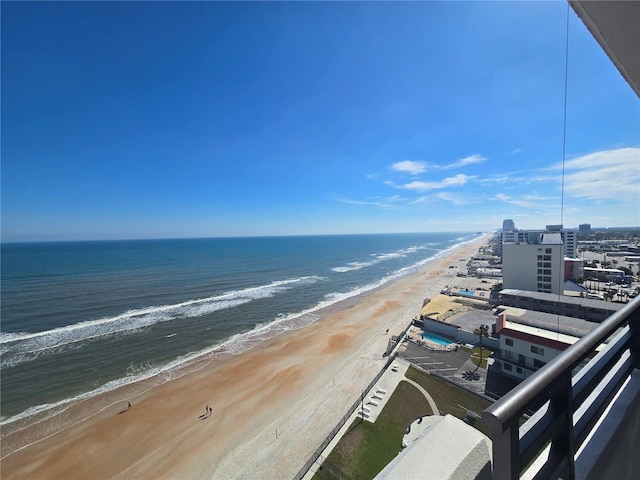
(272, 405)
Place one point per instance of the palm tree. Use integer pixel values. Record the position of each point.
(482, 332)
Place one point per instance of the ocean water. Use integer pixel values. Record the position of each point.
(81, 318)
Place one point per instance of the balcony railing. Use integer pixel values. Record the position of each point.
(573, 403)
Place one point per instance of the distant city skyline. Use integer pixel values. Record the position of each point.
(201, 119)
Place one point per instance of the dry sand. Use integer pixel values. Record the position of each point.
(272, 405)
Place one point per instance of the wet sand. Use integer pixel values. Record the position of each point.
(272, 405)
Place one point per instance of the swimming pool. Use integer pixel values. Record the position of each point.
(432, 337)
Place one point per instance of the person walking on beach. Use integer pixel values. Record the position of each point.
(128, 406)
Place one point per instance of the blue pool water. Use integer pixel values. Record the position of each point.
(432, 337)
(467, 292)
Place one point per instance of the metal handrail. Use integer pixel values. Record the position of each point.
(515, 446)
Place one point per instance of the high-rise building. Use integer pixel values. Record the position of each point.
(569, 238)
(508, 224)
(570, 241)
(584, 229)
(534, 265)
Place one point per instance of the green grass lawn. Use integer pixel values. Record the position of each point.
(368, 447)
(475, 356)
(450, 398)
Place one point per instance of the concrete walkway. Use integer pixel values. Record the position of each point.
(374, 402)
(432, 403)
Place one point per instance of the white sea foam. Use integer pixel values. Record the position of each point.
(234, 345)
(140, 373)
(353, 266)
(381, 257)
(20, 347)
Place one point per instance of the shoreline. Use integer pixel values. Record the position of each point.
(235, 344)
(314, 371)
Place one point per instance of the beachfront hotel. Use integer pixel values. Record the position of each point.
(513, 235)
(529, 340)
(537, 266)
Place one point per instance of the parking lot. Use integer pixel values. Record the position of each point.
(456, 366)
(444, 363)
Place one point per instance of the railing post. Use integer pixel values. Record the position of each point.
(561, 455)
(506, 454)
(634, 326)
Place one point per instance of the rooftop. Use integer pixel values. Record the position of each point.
(575, 327)
(550, 297)
(539, 336)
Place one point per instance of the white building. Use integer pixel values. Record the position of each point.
(535, 339)
(570, 241)
(569, 238)
(537, 267)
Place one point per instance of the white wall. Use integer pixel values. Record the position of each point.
(522, 347)
(521, 265)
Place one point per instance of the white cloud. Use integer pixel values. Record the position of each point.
(374, 203)
(459, 179)
(608, 174)
(514, 201)
(414, 168)
(465, 161)
(420, 200)
(456, 199)
(527, 201)
(491, 180)
(421, 186)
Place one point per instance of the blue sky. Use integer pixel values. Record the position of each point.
(151, 120)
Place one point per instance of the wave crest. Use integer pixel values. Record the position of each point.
(25, 346)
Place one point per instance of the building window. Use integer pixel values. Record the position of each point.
(518, 370)
(507, 366)
(509, 341)
(548, 250)
(537, 350)
(538, 363)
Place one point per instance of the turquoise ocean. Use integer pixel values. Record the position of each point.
(82, 318)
